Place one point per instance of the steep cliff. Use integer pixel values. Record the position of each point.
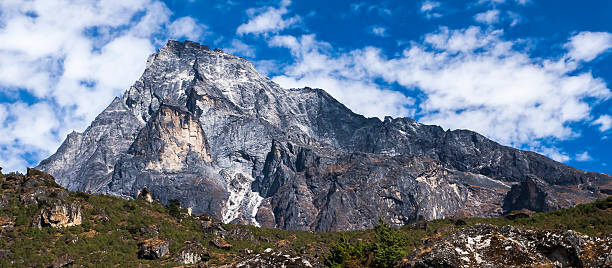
(204, 127)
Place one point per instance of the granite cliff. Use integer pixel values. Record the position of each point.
(204, 127)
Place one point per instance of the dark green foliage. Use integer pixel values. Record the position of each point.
(388, 246)
(344, 250)
(174, 208)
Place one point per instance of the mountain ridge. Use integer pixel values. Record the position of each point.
(278, 157)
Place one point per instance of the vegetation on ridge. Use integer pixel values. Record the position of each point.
(112, 229)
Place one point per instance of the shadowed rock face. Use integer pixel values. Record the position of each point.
(204, 127)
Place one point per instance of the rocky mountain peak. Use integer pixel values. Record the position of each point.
(205, 128)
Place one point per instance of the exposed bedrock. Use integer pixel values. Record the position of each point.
(205, 128)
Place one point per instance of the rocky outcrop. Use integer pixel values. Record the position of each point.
(62, 261)
(6, 223)
(192, 253)
(3, 201)
(153, 249)
(221, 243)
(528, 194)
(145, 195)
(508, 246)
(270, 258)
(205, 128)
(59, 214)
(38, 190)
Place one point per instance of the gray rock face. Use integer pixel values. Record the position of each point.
(204, 127)
(153, 249)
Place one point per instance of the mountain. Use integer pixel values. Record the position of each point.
(205, 128)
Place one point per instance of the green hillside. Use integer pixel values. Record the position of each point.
(114, 231)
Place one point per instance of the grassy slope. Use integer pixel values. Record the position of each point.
(110, 234)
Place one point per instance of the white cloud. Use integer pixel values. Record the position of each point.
(429, 7)
(496, 2)
(72, 57)
(604, 122)
(355, 7)
(314, 66)
(474, 79)
(583, 157)
(466, 79)
(268, 19)
(494, 16)
(239, 48)
(553, 153)
(379, 31)
(186, 27)
(586, 46)
(492, 2)
(514, 18)
(488, 17)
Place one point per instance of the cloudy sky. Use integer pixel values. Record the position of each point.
(531, 74)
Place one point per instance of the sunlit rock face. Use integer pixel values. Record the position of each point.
(205, 128)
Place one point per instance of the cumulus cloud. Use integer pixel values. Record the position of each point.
(186, 27)
(604, 122)
(316, 66)
(495, 16)
(473, 78)
(586, 46)
(469, 78)
(488, 17)
(71, 58)
(429, 9)
(495, 2)
(241, 49)
(378, 31)
(268, 19)
(492, 2)
(553, 153)
(583, 157)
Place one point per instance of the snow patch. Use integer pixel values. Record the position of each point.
(242, 200)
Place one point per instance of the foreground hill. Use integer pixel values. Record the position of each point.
(42, 224)
(205, 128)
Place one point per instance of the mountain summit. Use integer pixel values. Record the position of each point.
(205, 128)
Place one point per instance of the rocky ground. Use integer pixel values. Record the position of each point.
(509, 246)
(44, 225)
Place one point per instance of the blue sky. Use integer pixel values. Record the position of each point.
(530, 74)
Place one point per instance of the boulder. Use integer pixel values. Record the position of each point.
(271, 258)
(3, 201)
(60, 214)
(529, 194)
(192, 253)
(220, 243)
(150, 230)
(145, 195)
(34, 195)
(62, 261)
(153, 249)
(5, 223)
(5, 253)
